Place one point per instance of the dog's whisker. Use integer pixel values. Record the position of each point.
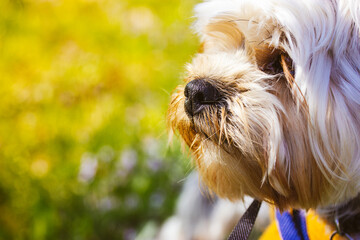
(262, 41)
(242, 20)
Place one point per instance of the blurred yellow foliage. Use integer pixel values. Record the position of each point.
(88, 78)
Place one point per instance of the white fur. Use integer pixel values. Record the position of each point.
(323, 42)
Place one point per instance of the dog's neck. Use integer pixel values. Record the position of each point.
(347, 214)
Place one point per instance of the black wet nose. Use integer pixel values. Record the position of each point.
(199, 93)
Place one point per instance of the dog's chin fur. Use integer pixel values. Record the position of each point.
(287, 130)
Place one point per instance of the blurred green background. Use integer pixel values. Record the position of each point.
(84, 90)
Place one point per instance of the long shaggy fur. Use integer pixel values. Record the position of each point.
(288, 128)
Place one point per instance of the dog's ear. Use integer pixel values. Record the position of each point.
(223, 34)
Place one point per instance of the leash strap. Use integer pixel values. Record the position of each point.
(292, 226)
(246, 223)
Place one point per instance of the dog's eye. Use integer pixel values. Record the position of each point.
(273, 66)
(273, 61)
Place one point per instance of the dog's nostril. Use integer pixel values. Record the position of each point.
(199, 93)
(199, 97)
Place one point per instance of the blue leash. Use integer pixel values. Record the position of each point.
(292, 225)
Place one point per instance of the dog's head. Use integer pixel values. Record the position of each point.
(270, 106)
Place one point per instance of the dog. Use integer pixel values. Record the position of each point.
(270, 105)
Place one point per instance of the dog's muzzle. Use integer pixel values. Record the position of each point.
(198, 94)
